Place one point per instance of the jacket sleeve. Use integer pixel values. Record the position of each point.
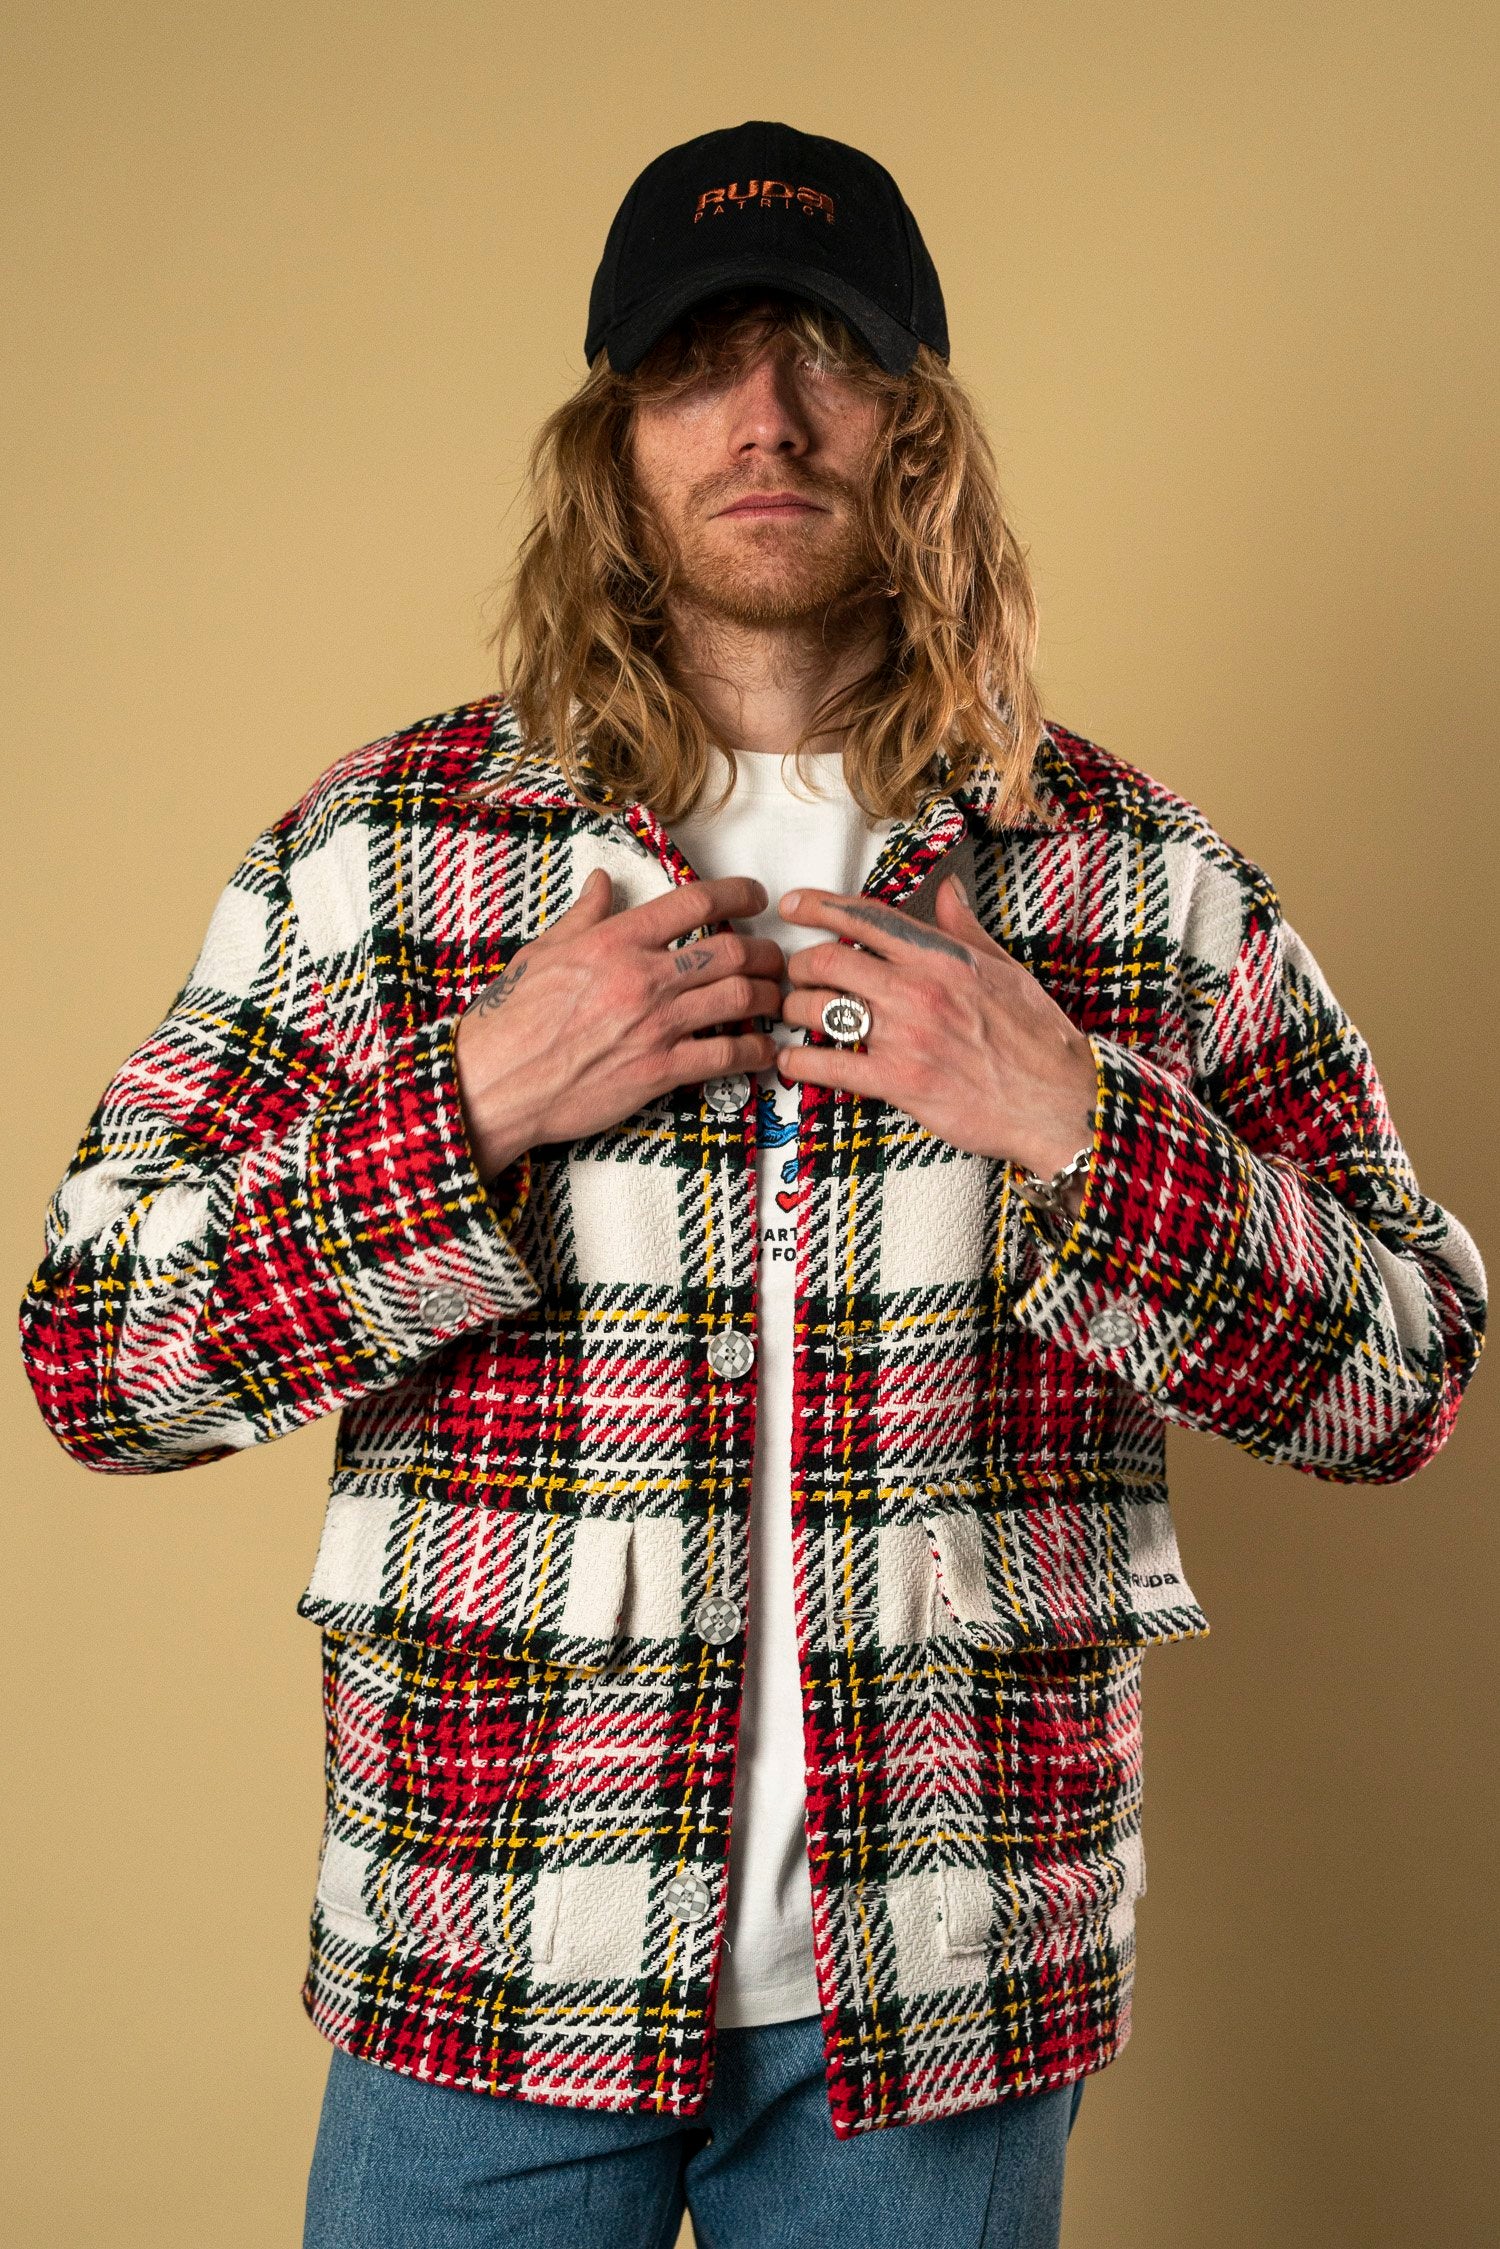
(1253, 1253)
(259, 1228)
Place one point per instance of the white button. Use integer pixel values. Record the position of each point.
(731, 1354)
(1115, 1325)
(727, 1096)
(716, 1619)
(687, 1897)
(441, 1304)
(632, 842)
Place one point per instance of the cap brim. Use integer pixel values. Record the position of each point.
(892, 346)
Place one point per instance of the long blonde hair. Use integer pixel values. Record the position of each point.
(580, 641)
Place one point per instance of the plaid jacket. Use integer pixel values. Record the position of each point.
(547, 1388)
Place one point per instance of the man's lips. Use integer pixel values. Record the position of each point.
(773, 503)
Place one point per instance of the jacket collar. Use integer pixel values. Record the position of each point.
(531, 781)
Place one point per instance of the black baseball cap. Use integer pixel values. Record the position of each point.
(762, 205)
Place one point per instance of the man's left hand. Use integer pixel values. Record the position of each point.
(963, 1038)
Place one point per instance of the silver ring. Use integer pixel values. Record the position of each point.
(846, 1019)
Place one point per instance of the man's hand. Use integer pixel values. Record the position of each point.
(602, 1013)
(963, 1037)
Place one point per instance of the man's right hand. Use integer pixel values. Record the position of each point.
(603, 1013)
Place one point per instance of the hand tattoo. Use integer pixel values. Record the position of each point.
(893, 924)
(693, 957)
(494, 995)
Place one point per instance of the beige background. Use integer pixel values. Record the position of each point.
(293, 283)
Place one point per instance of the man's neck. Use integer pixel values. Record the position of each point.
(759, 686)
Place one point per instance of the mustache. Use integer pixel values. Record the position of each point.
(663, 548)
(716, 492)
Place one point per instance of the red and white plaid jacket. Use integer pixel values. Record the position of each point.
(548, 1395)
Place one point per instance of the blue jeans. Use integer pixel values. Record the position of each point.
(400, 2164)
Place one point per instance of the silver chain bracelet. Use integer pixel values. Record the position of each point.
(1047, 1194)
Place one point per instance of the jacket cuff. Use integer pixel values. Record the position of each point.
(1144, 1283)
(369, 1234)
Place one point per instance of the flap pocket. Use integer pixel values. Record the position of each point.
(1063, 1569)
(533, 1583)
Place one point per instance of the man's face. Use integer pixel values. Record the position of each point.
(754, 480)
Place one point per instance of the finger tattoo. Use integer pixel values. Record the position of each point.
(693, 957)
(911, 932)
(494, 995)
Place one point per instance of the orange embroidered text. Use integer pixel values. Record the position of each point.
(715, 201)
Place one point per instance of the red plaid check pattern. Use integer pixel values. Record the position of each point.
(547, 1389)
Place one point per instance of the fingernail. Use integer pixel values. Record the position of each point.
(962, 894)
(791, 900)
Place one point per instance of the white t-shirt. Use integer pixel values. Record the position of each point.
(788, 834)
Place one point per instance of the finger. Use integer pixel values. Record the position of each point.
(694, 905)
(764, 957)
(733, 999)
(869, 922)
(959, 919)
(804, 1009)
(595, 903)
(832, 1065)
(841, 968)
(730, 1053)
(708, 959)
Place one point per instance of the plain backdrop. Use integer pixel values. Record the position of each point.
(289, 287)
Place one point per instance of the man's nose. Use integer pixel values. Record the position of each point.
(766, 413)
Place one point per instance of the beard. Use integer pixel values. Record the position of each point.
(769, 574)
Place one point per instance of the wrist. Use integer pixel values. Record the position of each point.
(1069, 1133)
(496, 1144)
(1058, 1193)
(498, 1129)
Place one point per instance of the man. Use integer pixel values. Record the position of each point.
(757, 1215)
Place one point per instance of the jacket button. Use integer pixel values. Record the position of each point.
(687, 1897)
(1115, 1325)
(716, 1619)
(441, 1304)
(727, 1096)
(731, 1354)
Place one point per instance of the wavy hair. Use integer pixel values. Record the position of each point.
(581, 641)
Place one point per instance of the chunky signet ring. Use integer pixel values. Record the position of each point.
(846, 1019)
